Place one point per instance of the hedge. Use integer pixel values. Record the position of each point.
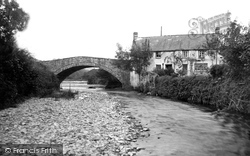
(22, 76)
(218, 93)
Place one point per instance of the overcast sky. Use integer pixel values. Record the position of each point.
(68, 28)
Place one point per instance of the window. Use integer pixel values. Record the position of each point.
(168, 66)
(201, 55)
(158, 66)
(185, 54)
(158, 54)
(185, 68)
(200, 66)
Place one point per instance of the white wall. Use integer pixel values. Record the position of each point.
(167, 58)
(134, 79)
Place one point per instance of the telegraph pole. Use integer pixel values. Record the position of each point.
(161, 30)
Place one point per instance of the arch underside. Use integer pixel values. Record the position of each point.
(64, 72)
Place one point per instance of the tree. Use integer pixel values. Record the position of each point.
(123, 58)
(12, 19)
(136, 59)
(20, 74)
(234, 47)
(140, 56)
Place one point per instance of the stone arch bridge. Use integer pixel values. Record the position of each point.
(66, 66)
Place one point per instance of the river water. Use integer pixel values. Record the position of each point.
(183, 129)
(80, 86)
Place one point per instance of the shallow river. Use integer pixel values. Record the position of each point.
(182, 129)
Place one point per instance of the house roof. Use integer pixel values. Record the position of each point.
(174, 42)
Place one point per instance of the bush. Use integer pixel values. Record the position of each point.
(162, 72)
(16, 75)
(22, 76)
(218, 94)
(45, 82)
(218, 71)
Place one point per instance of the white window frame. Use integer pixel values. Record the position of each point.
(201, 55)
(157, 54)
(185, 53)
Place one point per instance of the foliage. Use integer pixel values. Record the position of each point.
(219, 70)
(20, 74)
(216, 93)
(229, 86)
(162, 72)
(182, 72)
(234, 46)
(140, 56)
(45, 81)
(100, 76)
(136, 59)
(123, 59)
(93, 78)
(13, 19)
(14, 74)
(78, 75)
(108, 79)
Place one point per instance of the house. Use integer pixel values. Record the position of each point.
(181, 52)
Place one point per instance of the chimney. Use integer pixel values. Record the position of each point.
(135, 35)
(161, 30)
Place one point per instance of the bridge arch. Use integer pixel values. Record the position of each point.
(65, 71)
(65, 67)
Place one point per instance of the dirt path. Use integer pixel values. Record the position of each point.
(184, 130)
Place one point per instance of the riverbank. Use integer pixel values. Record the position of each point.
(181, 129)
(90, 124)
(224, 94)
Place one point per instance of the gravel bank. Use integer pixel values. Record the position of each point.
(90, 124)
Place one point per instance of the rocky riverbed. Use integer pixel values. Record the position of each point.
(92, 123)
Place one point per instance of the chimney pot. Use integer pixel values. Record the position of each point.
(135, 35)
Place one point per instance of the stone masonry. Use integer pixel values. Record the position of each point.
(66, 66)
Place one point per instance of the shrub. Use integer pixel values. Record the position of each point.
(162, 72)
(45, 82)
(219, 70)
(217, 93)
(22, 76)
(16, 75)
